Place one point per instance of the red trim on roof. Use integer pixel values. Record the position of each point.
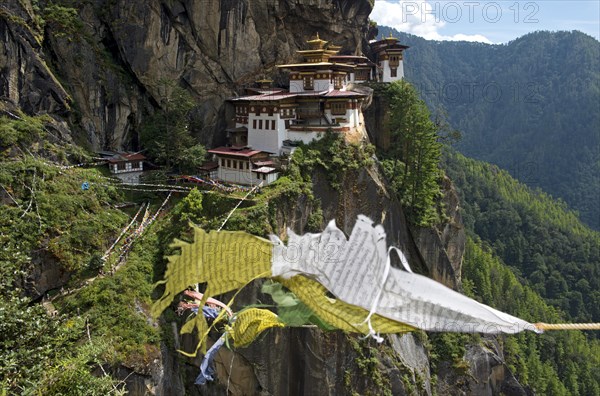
(236, 152)
(126, 157)
(265, 97)
(341, 94)
(208, 166)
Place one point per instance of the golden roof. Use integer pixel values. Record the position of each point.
(316, 64)
(317, 43)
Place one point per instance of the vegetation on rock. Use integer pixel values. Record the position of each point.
(412, 162)
(47, 219)
(166, 134)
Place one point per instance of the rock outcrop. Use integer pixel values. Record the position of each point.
(442, 246)
(483, 373)
(26, 82)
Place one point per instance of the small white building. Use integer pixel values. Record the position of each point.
(267, 174)
(388, 53)
(127, 166)
(242, 165)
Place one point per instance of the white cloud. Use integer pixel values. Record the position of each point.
(467, 37)
(418, 17)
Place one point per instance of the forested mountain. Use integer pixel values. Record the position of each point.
(556, 255)
(531, 106)
(531, 256)
(556, 363)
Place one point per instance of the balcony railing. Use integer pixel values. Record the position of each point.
(309, 113)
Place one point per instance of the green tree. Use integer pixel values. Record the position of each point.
(412, 161)
(191, 158)
(166, 133)
(189, 208)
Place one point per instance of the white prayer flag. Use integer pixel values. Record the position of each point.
(358, 271)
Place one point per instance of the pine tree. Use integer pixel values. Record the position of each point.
(415, 152)
(166, 135)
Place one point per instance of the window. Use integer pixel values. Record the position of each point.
(121, 166)
(234, 164)
(338, 82)
(308, 82)
(362, 75)
(254, 124)
(229, 163)
(394, 72)
(222, 162)
(273, 124)
(338, 108)
(286, 113)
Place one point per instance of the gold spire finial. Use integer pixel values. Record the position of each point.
(318, 38)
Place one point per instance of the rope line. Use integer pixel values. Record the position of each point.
(80, 165)
(161, 208)
(157, 185)
(107, 253)
(119, 186)
(215, 184)
(146, 221)
(567, 326)
(238, 204)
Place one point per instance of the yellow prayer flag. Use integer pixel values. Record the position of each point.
(249, 323)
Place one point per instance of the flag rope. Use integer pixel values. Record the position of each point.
(238, 204)
(567, 326)
(109, 250)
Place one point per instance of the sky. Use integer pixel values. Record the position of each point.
(486, 21)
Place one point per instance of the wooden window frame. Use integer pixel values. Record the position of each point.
(339, 108)
(309, 83)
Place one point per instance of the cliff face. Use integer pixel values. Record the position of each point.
(113, 58)
(26, 82)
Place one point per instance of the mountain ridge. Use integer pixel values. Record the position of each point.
(531, 106)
